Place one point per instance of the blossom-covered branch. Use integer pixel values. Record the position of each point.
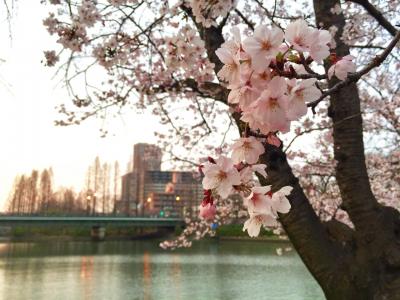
(354, 77)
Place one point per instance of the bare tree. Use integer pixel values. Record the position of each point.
(96, 178)
(105, 187)
(33, 191)
(46, 190)
(117, 180)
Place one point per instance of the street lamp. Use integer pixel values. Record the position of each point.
(147, 207)
(88, 198)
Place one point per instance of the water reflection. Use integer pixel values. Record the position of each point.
(176, 276)
(146, 276)
(140, 270)
(86, 275)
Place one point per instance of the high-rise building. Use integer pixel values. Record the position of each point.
(146, 157)
(148, 191)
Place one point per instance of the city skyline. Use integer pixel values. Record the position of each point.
(29, 95)
(143, 189)
(148, 190)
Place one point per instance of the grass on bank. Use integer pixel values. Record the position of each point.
(76, 231)
(22, 232)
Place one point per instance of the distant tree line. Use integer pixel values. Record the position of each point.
(35, 193)
(102, 187)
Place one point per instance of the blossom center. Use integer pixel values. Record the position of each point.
(264, 76)
(247, 145)
(299, 41)
(299, 93)
(266, 45)
(221, 175)
(273, 103)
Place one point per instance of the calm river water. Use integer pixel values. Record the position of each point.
(140, 270)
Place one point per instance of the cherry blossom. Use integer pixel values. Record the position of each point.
(206, 11)
(221, 176)
(304, 38)
(247, 150)
(231, 69)
(270, 108)
(235, 45)
(319, 49)
(247, 173)
(258, 199)
(253, 225)
(279, 200)
(273, 140)
(271, 76)
(300, 92)
(263, 46)
(260, 168)
(243, 95)
(88, 13)
(300, 35)
(51, 58)
(207, 211)
(342, 67)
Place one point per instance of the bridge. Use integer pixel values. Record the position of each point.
(99, 221)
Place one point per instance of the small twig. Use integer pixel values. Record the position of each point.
(269, 15)
(357, 75)
(375, 13)
(304, 132)
(248, 22)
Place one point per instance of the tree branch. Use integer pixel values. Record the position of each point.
(377, 15)
(378, 60)
(247, 21)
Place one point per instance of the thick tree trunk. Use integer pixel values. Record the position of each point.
(348, 264)
(374, 262)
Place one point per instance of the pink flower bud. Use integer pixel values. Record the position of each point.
(273, 140)
(208, 211)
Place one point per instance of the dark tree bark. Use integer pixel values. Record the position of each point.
(363, 263)
(374, 265)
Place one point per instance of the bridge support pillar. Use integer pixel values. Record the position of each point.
(98, 233)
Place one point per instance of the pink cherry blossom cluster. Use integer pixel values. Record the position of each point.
(88, 13)
(342, 67)
(270, 73)
(112, 52)
(196, 229)
(185, 56)
(51, 58)
(121, 2)
(226, 176)
(72, 36)
(270, 78)
(207, 11)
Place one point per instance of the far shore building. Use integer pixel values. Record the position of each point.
(148, 191)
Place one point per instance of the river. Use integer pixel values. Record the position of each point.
(210, 270)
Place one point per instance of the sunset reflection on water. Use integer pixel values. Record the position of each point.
(140, 270)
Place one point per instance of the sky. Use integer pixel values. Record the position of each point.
(28, 95)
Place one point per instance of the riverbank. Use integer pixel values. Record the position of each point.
(76, 233)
